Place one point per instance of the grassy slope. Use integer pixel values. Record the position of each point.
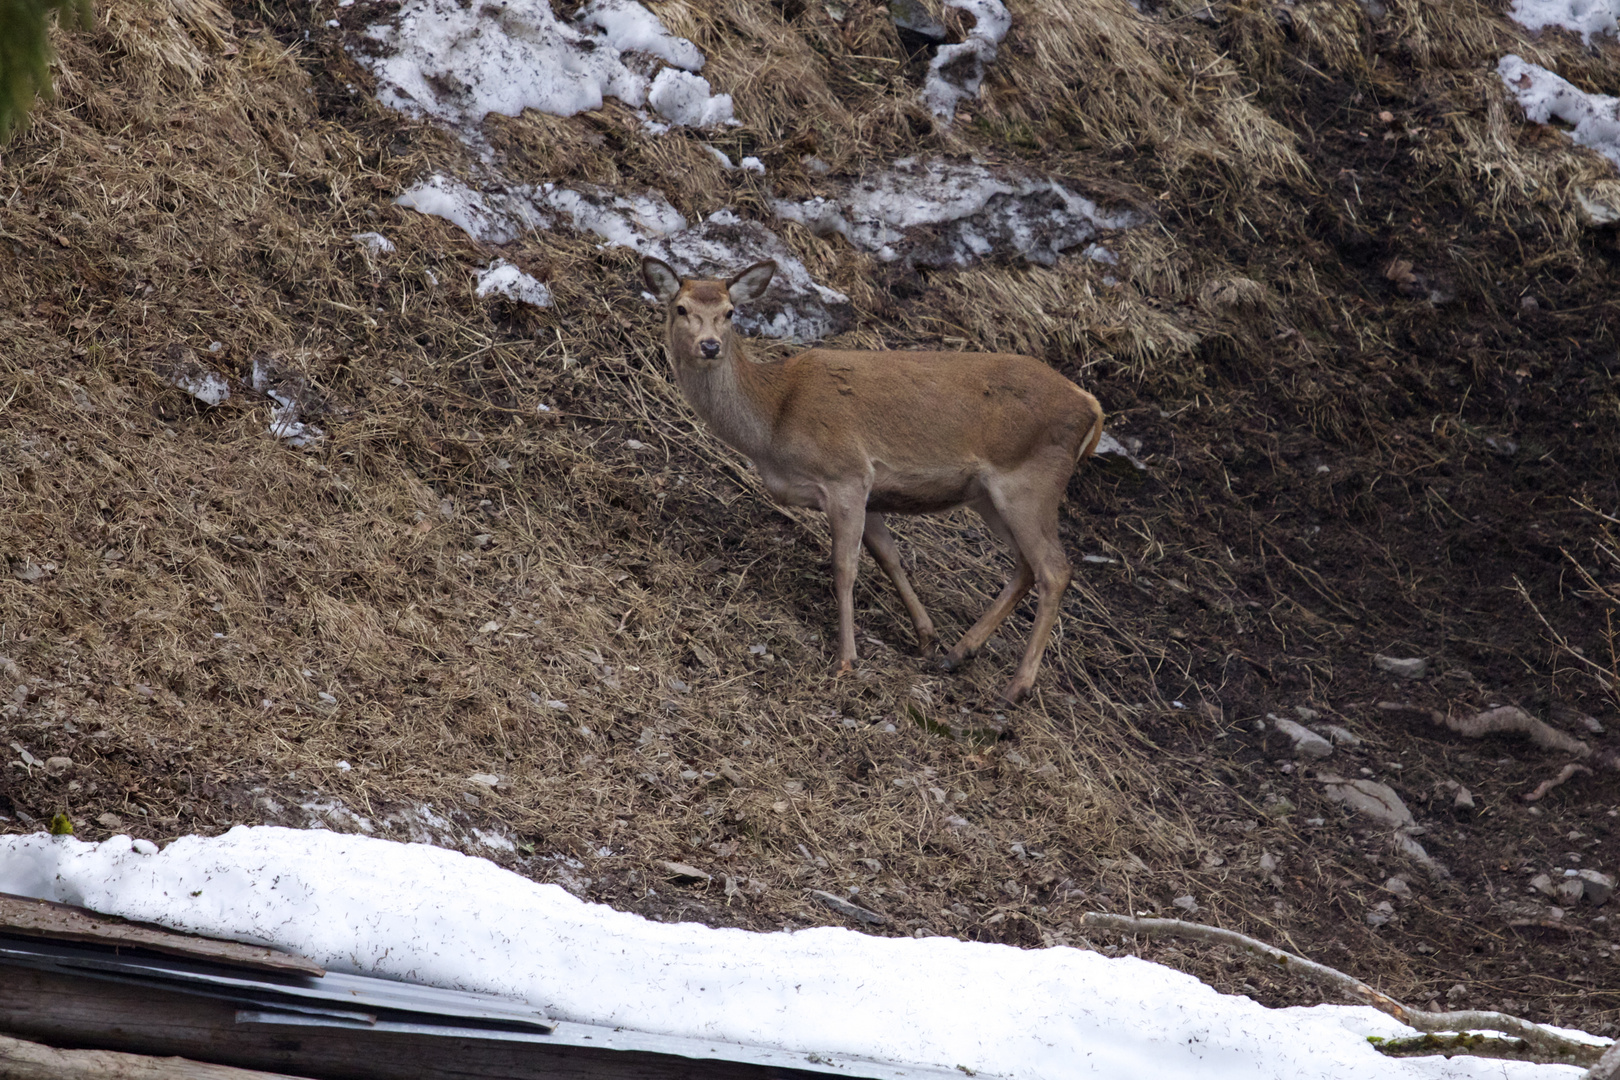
(451, 560)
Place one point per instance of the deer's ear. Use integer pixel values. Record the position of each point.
(662, 280)
(751, 283)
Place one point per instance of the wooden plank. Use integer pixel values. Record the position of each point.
(23, 917)
(20, 1060)
(66, 1010)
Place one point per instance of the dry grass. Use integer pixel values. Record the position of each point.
(185, 589)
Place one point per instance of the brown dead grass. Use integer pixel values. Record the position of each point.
(453, 560)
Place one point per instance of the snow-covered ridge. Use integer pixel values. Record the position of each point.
(422, 913)
(458, 63)
(940, 213)
(1594, 118)
(1585, 17)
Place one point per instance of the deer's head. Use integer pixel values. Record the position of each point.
(698, 314)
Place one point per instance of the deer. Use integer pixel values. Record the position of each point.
(858, 435)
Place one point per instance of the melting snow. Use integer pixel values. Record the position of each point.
(957, 71)
(206, 386)
(797, 308)
(501, 278)
(374, 242)
(1595, 118)
(939, 213)
(1584, 17)
(683, 98)
(458, 63)
(412, 911)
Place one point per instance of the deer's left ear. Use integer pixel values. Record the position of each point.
(661, 278)
(751, 283)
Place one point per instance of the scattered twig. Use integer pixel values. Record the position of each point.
(1563, 774)
(1546, 1044)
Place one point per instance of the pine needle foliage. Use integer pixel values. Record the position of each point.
(25, 54)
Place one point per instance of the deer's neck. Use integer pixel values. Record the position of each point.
(736, 397)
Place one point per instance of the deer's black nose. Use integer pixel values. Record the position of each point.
(709, 347)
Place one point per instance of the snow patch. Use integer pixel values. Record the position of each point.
(795, 307)
(939, 213)
(1594, 118)
(491, 218)
(1585, 17)
(684, 98)
(374, 242)
(208, 387)
(629, 27)
(458, 63)
(422, 913)
(957, 71)
(501, 278)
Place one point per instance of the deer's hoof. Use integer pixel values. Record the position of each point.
(1016, 691)
(845, 667)
(953, 660)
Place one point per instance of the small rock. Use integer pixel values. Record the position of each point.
(1597, 886)
(1502, 445)
(9, 670)
(1268, 862)
(1307, 743)
(1342, 736)
(1542, 883)
(1375, 800)
(110, 821)
(1571, 890)
(683, 872)
(1185, 903)
(484, 779)
(58, 766)
(844, 907)
(1398, 886)
(1381, 913)
(1306, 715)
(1463, 800)
(1593, 724)
(1414, 667)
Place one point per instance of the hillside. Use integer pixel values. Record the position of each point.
(343, 482)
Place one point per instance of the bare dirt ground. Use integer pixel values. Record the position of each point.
(1366, 350)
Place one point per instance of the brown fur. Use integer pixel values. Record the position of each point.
(860, 434)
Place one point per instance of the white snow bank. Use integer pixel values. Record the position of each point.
(683, 98)
(940, 213)
(458, 63)
(1584, 17)
(629, 27)
(795, 308)
(411, 911)
(501, 278)
(1594, 118)
(957, 71)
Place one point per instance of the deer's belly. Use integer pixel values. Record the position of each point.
(921, 492)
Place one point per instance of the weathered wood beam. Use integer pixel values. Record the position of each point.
(21, 1060)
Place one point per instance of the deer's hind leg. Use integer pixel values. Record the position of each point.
(880, 542)
(1029, 504)
(1023, 577)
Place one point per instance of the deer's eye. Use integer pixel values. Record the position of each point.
(730, 312)
(680, 309)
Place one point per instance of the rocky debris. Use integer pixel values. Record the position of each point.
(1185, 903)
(110, 820)
(1368, 798)
(1382, 912)
(1463, 800)
(684, 872)
(9, 670)
(1399, 886)
(1415, 667)
(1596, 887)
(1307, 743)
(1306, 714)
(58, 766)
(1341, 736)
(844, 907)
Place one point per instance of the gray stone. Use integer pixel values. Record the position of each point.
(1463, 800)
(1414, 667)
(1185, 903)
(1341, 736)
(1542, 884)
(1381, 913)
(1307, 743)
(1370, 798)
(1597, 886)
(844, 907)
(1571, 890)
(1306, 715)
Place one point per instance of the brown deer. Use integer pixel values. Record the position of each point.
(861, 434)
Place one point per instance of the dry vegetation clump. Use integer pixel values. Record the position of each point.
(514, 554)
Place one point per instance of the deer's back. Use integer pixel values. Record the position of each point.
(932, 409)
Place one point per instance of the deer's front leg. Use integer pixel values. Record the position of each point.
(846, 515)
